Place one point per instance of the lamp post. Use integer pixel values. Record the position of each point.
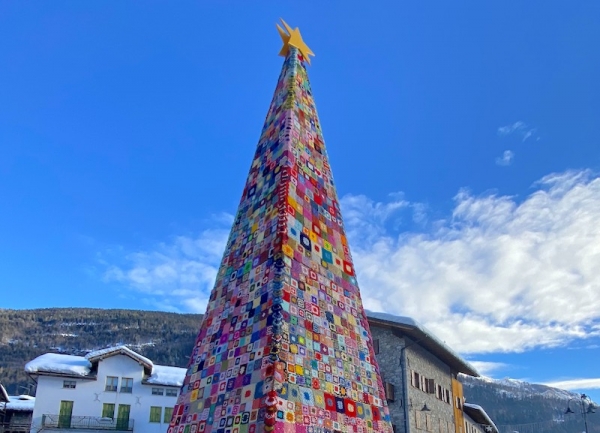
(586, 407)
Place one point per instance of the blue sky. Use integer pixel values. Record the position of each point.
(464, 140)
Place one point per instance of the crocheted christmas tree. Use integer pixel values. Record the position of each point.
(285, 345)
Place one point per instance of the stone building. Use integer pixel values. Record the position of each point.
(420, 376)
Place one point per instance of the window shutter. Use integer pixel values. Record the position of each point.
(389, 392)
(430, 386)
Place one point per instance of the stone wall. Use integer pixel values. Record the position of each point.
(390, 367)
(439, 399)
(440, 418)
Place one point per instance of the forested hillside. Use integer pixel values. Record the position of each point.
(166, 338)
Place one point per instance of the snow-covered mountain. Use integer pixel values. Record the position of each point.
(519, 389)
(518, 406)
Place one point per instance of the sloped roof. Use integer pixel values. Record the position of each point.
(57, 363)
(425, 338)
(21, 403)
(82, 366)
(101, 354)
(167, 376)
(479, 415)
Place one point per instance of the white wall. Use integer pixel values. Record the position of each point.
(89, 395)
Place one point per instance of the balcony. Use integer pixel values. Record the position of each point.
(15, 428)
(58, 422)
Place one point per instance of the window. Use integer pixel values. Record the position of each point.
(422, 383)
(155, 413)
(429, 386)
(171, 392)
(438, 392)
(158, 391)
(376, 346)
(71, 384)
(127, 385)
(447, 396)
(108, 410)
(168, 415)
(415, 379)
(458, 403)
(111, 384)
(389, 391)
(443, 426)
(428, 423)
(418, 420)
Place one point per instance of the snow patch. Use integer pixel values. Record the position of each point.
(20, 403)
(167, 376)
(58, 363)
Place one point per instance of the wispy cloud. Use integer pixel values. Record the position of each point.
(506, 158)
(177, 275)
(492, 276)
(519, 128)
(576, 384)
(487, 368)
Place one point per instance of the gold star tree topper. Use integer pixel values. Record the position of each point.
(292, 37)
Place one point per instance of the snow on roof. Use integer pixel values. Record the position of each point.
(412, 323)
(167, 376)
(3, 394)
(20, 403)
(81, 366)
(122, 350)
(59, 363)
(483, 417)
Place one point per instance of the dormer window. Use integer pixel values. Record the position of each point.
(112, 383)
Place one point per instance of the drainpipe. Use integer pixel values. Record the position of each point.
(404, 387)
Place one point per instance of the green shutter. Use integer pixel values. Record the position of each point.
(108, 410)
(155, 413)
(168, 415)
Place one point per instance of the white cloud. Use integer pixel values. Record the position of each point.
(506, 158)
(576, 384)
(486, 368)
(178, 275)
(497, 275)
(519, 128)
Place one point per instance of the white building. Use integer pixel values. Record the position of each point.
(109, 389)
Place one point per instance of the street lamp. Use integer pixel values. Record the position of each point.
(586, 407)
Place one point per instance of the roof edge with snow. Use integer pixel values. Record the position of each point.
(3, 395)
(479, 415)
(98, 355)
(425, 338)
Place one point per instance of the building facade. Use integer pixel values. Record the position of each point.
(420, 376)
(111, 389)
(15, 412)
